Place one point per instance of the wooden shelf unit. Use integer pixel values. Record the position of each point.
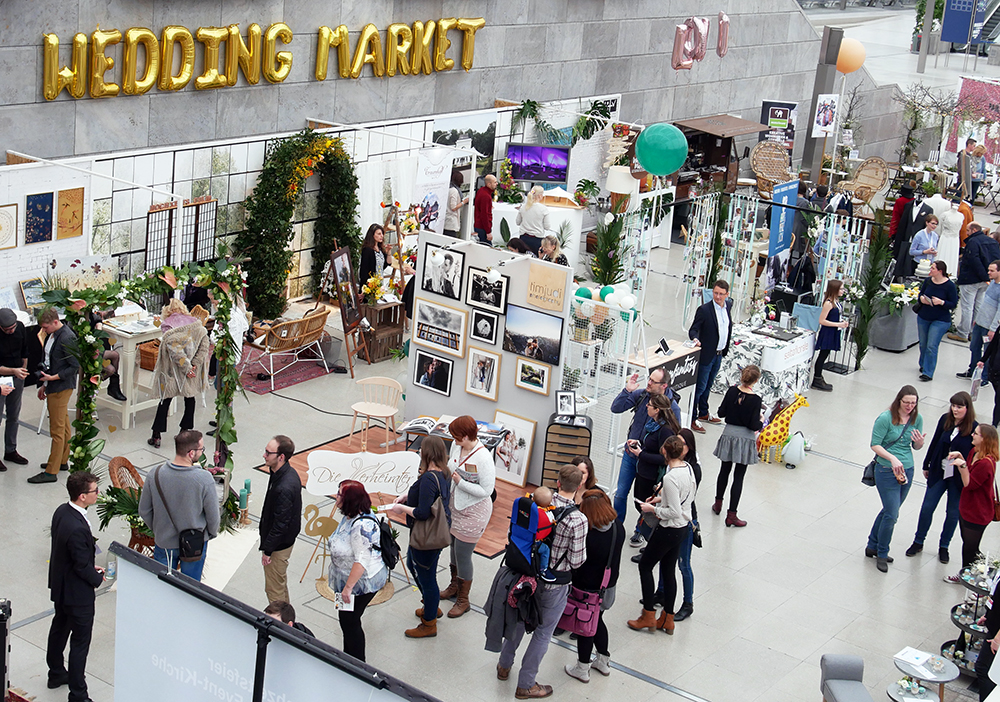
(564, 442)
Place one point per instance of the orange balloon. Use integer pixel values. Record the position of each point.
(851, 56)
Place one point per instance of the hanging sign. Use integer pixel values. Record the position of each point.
(388, 473)
(780, 117)
(825, 119)
(546, 286)
(431, 187)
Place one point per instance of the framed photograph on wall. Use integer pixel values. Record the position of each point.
(347, 291)
(483, 375)
(566, 402)
(439, 327)
(443, 276)
(38, 218)
(32, 290)
(483, 294)
(532, 375)
(484, 327)
(513, 453)
(8, 226)
(433, 372)
(533, 334)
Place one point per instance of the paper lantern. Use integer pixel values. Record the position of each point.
(851, 56)
(661, 149)
(585, 293)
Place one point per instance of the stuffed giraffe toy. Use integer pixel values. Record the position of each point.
(775, 434)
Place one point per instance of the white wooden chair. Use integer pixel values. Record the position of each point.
(381, 401)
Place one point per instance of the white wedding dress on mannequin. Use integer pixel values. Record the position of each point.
(948, 234)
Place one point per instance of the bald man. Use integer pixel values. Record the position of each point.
(482, 222)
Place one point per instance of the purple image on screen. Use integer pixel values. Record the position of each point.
(540, 164)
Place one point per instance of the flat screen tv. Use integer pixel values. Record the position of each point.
(539, 163)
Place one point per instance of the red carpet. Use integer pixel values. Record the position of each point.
(284, 376)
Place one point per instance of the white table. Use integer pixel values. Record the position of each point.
(128, 370)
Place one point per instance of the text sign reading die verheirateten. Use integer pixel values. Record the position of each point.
(168, 59)
(388, 473)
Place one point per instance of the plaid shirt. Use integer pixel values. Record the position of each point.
(569, 545)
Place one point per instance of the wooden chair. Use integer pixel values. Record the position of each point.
(292, 338)
(868, 180)
(381, 402)
(200, 313)
(770, 164)
(124, 476)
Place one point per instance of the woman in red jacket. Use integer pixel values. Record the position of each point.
(975, 507)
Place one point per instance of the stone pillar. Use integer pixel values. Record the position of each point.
(826, 75)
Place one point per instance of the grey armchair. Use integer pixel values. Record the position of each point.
(841, 678)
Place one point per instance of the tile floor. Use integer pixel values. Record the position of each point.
(770, 598)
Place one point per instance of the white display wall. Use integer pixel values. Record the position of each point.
(526, 404)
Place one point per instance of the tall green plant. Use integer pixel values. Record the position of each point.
(337, 208)
(870, 283)
(609, 250)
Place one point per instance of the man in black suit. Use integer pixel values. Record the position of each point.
(73, 578)
(711, 329)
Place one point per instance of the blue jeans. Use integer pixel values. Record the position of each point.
(171, 557)
(684, 563)
(423, 565)
(976, 341)
(626, 475)
(932, 497)
(706, 376)
(930, 334)
(892, 495)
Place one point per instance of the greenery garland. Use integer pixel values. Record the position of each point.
(222, 279)
(269, 211)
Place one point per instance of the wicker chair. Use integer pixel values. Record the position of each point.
(868, 180)
(292, 338)
(769, 163)
(124, 476)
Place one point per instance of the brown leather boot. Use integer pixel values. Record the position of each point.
(420, 613)
(451, 591)
(425, 629)
(462, 602)
(717, 506)
(666, 623)
(733, 521)
(647, 620)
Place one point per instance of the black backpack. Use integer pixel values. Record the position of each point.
(387, 542)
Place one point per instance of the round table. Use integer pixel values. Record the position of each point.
(947, 674)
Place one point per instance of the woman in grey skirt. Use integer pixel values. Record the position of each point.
(738, 443)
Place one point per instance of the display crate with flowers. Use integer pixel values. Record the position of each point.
(385, 332)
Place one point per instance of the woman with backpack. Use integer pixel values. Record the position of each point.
(356, 568)
(429, 522)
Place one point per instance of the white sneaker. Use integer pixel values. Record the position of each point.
(580, 671)
(636, 541)
(602, 664)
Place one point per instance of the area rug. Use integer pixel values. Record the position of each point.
(288, 371)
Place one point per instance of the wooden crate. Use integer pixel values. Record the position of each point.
(386, 331)
(562, 444)
(148, 353)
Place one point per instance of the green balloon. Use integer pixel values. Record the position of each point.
(661, 149)
(606, 290)
(585, 293)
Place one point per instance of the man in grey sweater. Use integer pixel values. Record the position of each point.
(180, 495)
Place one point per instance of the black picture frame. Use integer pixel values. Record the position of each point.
(566, 402)
(347, 289)
(437, 378)
(445, 280)
(533, 334)
(479, 290)
(478, 324)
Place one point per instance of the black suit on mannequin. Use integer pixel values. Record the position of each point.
(72, 581)
(905, 231)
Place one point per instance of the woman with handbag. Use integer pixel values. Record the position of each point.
(474, 474)
(896, 432)
(597, 576)
(977, 506)
(938, 297)
(694, 532)
(953, 433)
(671, 510)
(738, 443)
(357, 571)
(428, 517)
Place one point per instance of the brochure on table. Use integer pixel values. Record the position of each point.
(453, 367)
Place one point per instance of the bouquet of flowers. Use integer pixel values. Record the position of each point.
(763, 310)
(900, 296)
(373, 290)
(507, 190)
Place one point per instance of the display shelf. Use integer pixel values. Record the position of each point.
(974, 582)
(966, 664)
(973, 634)
(973, 629)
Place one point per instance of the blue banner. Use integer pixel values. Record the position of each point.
(782, 217)
(959, 17)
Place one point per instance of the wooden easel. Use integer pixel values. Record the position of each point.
(351, 341)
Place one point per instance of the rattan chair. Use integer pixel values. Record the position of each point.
(292, 338)
(381, 400)
(124, 476)
(871, 176)
(770, 164)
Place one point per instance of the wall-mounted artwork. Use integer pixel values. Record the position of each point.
(38, 218)
(32, 291)
(484, 327)
(79, 273)
(433, 372)
(439, 327)
(533, 334)
(513, 454)
(483, 376)
(8, 226)
(534, 376)
(70, 213)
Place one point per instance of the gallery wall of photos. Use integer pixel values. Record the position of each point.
(490, 346)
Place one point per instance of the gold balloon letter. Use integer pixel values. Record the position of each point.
(211, 37)
(398, 40)
(333, 38)
(237, 54)
(135, 37)
(442, 44)
(100, 63)
(71, 77)
(422, 36)
(469, 27)
(368, 50)
(277, 64)
(171, 35)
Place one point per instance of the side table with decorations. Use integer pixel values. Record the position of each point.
(964, 650)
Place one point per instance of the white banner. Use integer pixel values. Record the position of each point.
(826, 115)
(388, 473)
(430, 189)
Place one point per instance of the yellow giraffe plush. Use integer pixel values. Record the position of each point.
(775, 434)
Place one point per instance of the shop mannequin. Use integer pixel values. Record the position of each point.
(951, 224)
(912, 220)
(939, 204)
